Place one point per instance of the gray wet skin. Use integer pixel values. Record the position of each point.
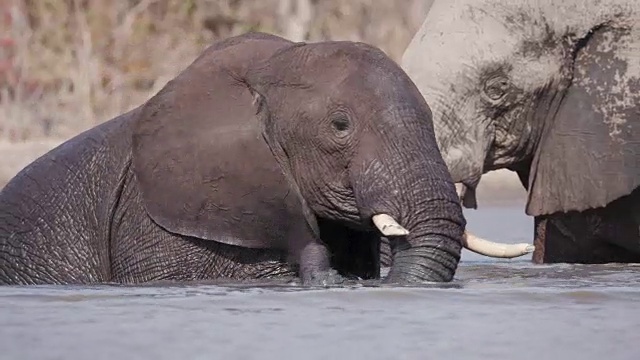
(551, 90)
(262, 159)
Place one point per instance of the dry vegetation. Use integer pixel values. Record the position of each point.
(66, 65)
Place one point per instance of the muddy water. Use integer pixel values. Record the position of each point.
(506, 309)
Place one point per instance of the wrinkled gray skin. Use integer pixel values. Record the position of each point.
(262, 159)
(551, 90)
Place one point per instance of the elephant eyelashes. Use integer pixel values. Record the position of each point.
(496, 88)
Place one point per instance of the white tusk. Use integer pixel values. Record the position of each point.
(490, 248)
(388, 226)
(493, 249)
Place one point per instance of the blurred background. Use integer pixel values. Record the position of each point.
(67, 65)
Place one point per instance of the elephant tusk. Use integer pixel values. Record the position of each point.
(388, 226)
(490, 248)
(493, 249)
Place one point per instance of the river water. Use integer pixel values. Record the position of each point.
(495, 309)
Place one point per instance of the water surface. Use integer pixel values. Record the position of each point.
(495, 309)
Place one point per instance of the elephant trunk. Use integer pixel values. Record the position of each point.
(430, 252)
(409, 197)
(424, 258)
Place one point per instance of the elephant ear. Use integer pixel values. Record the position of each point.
(589, 155)
(200, 159)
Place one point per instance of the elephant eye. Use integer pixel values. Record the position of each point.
(341, 123)
(496, 88)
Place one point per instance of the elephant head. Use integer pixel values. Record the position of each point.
(549, 89)
(343, 124)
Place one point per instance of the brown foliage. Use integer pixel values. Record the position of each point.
(66, 65)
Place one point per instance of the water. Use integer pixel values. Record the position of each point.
(495, 309)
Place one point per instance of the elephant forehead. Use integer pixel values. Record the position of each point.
(347, 59)
(333, 67)
(347, 52)
(367, 87)
(453, 37)
(461, 37)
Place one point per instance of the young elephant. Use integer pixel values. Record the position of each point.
(551, 90)
(262, 153)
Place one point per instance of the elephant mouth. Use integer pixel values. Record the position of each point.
(467, 192)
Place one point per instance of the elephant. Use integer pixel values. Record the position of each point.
(550, 90)
(263, 158)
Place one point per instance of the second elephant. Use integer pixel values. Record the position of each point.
(549, 89)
